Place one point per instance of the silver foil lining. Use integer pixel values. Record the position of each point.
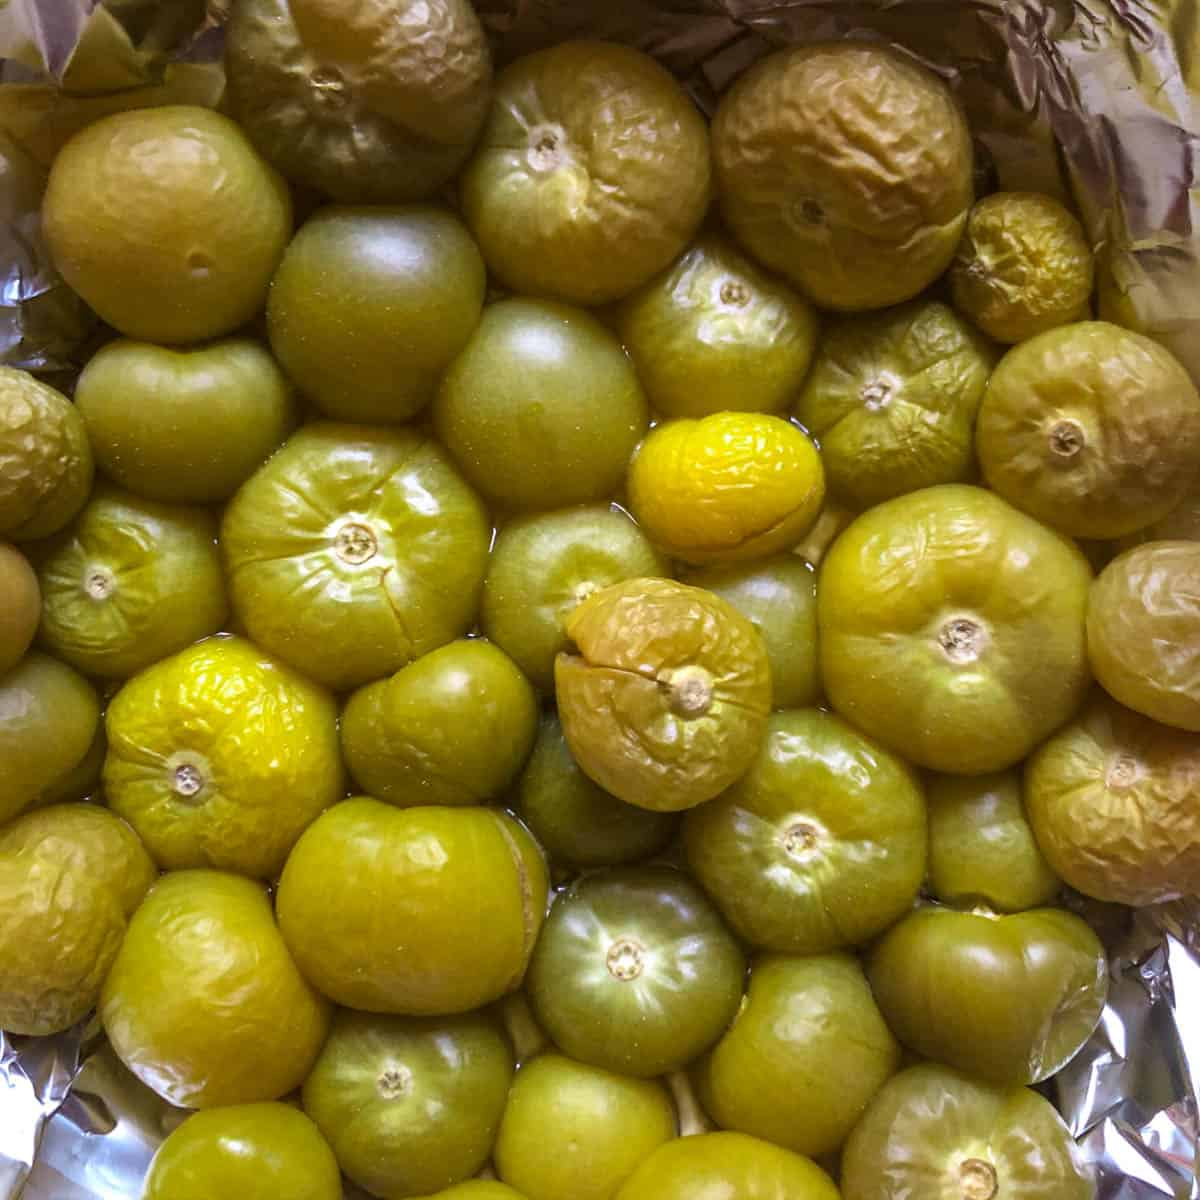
(1095, 100)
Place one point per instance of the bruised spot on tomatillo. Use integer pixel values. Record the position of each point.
(1067, 440)
(977, 1179)
(689, 689)
(355, 543)
(963, 640)
(394, 1081)
(626, 959)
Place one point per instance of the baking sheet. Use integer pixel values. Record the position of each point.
(1094, 101)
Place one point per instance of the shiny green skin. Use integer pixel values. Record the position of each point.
(454, 727)
(370, 305)
(579, 1131)
(46, 464)
(820, 845)
(903, 578)
(714, 333)
(184, 425)
(892, 399)
(251, 1151)
(685, 971)
(779, 597)
(131, 582)
(713, 1166)
(806, 1021)
(410, 1104)
(931, 1132)
(574, 819)
(20, 606)
(49, 715)
(1132, 414)
(204, 1004)
(83, 780)
(542, 409)
(336, 610)
(981, 847)
(478, 1189)
(436, 909)
(542, 566)
(91, 838)
(1008, 999)
(220, 756)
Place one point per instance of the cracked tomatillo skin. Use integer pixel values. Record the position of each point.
(725, 488)
(251, 1151)
(821, 844)
(892, 399)
(1090, 428)
(1112, 801)
(408, 933)
(934, 1134)
(635, 971)
(1009, 999)
(1144, 631)
(665, 701)
(454, 727)
(714, 333)
(591, 175)
(727, 1164)
(354, 550)
(806, 1020)
(410, 1104)
(204, 1004)
(952, 628)
(221, 756)
(815, 181)
(543, 566)
(376, 103)
(130, 582)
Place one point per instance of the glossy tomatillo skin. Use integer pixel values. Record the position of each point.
(934, 1134)
(952, 628)
(1009, 999)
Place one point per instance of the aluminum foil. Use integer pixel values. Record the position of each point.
(1094, 100)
